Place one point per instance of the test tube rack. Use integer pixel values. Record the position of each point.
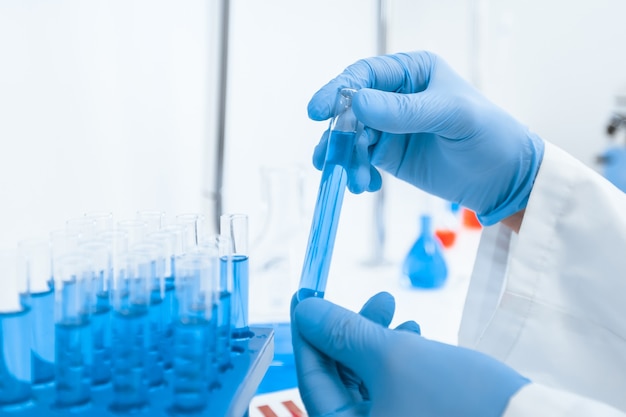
(231, 399)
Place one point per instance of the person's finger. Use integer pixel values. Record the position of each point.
(410, 326)
(396, 113)
(321, 388)
(345, 336)
(379, 308)
(319, 153)
(405, 72)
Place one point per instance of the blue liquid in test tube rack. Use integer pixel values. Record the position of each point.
(131, 345)
(36, 257)
(73, 341)
(235, 228)
(195, 367)
(342, 137)
(15, 337)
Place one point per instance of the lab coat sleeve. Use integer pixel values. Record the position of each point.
(550, 301)
(538, 400)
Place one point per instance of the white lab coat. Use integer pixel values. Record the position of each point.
(551, 300)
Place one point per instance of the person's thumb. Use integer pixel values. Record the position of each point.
(423, 112)
(345, 336)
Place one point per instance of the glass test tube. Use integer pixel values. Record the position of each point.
(194, 226)
(103, 220)
(37, 258)
(154, 220)
(224, 296)
(341, 140)
(131, 332)
(235, 227)
(194, 332)
(84, 226)
(170, 240)
(156, 281)
(135, 229)
(15, 336)
(73, 341)
(100, 307)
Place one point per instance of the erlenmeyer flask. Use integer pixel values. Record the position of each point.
(425, 265)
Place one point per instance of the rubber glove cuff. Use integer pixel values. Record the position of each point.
(521, 184)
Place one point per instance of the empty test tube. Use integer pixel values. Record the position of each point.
(341, 140)
(15, 337)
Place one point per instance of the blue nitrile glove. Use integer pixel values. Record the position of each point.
(404, 374)
(429, 127)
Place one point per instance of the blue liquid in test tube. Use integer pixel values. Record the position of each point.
(36, 257)
(195, 366)
(15, 336)
(240, 289)
(342, 136)
(15, 362)
(129, 358)
(235, 228)
(73, 340)
(131, 345)
(42, 310)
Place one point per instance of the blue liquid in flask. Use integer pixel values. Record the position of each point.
(425, 264)
(326, 215)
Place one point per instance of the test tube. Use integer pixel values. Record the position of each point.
(194, 226)
(37, 258)
(84, 226)
(194, 334)
(15, 336)
(103, 221)
(98, 253)
(224, 296)
(170, 240)
(154, 219)
(341, 140)
(155, 254)
(73, 341)
(130, 296)
(235, 227)
(135, 229)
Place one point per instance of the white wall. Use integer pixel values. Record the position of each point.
(102, 107)
(556, 65)
(105, 104)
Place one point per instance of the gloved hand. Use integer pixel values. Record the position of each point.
(429, 127)
(391, 372)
